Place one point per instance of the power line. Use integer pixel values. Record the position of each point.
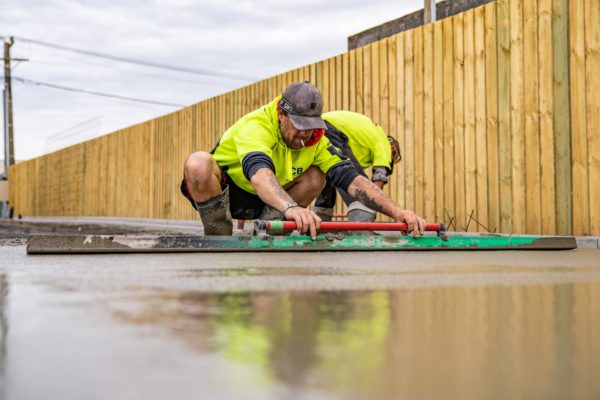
(82, 131)
(136, 71)
(139, 62)
(114, 96)
(75, 129)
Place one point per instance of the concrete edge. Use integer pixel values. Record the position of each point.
(182, 226)
(195, 227)
(588, 242)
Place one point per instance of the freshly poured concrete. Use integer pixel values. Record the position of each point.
(300, 325)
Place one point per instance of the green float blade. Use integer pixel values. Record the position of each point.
(81, 244)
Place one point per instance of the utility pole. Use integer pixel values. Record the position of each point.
(429, 10)
(9, 147)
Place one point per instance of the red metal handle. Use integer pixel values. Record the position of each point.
(347, 226)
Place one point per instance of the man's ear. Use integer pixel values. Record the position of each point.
(280, 114)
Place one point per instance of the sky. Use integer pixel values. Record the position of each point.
(213, 47)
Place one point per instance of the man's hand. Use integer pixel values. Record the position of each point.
(306, 220)
(416, 224)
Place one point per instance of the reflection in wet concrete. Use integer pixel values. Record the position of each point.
(491, 342)
(258, 327)
(3, 328)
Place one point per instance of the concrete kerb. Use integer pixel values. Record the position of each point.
(179, 226)
(588, 242)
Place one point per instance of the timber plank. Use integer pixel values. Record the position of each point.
(438, 121)
(352, 74)
(516, 117)
(592, 56)
(562, 128)
(504, 129)
(360, 80)
(418, 98)
(481, 156)
(448, 104)
(459, 124)
(491, 102)
(400, 169)
(368, 73)
(409, 124)
(532, 118)
(547, 162)
(469, 111)
(428, 155)
(345, 80)
(393, 111)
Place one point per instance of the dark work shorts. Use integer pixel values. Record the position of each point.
(242, 205)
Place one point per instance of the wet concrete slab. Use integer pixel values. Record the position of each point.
(21, 228)
(507, 324)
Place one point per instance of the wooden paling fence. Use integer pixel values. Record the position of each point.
(497, 111)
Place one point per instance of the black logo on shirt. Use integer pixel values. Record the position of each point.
(297, 170)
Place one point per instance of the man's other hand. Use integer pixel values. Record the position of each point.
(416, 224)
(306, 220)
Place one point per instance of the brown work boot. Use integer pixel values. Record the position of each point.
(325, 213)
(271, 214)
(215, 214)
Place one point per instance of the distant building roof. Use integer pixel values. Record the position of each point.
(443, 9)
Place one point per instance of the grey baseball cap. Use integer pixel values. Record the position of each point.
(303, 103)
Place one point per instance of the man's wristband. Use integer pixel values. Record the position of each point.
(379, 174)
(288, 206)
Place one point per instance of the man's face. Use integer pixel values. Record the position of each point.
(293, 138)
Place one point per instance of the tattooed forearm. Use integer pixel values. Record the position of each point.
(277, 189)
(370, 195)
(269, 190)
(365, 199)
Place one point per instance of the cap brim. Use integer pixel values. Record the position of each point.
(303, 123)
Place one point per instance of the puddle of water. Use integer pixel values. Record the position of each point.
(536, 341)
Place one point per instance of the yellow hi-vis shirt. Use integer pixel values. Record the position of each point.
(367, 140)
(258, 131)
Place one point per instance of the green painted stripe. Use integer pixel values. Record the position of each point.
(399, 243)
(276, 226)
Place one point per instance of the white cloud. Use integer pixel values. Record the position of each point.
(249, 38)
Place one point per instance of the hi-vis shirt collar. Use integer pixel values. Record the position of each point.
(288, 162)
